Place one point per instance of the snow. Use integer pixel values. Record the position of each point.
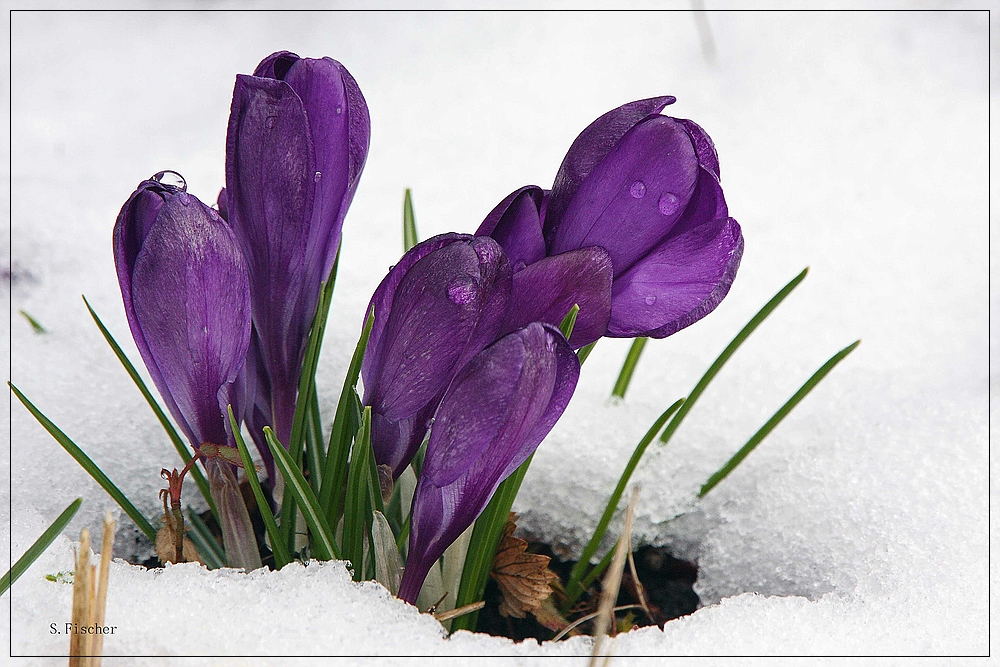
(849, 142)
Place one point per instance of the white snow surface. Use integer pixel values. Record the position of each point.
(854, 143)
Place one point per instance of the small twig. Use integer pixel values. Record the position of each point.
(613, 581)
(640, 591)
(461, 611)
(583, 619)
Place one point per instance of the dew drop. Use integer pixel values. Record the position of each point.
(318, 175)
(519, 265)
(650, 300)
(170, 179)
(185, 198)
(339, 109)
(668, 203)
(270, 122)
(462, 292)
(638, 189)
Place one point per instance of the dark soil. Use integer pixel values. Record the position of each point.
(668, 583)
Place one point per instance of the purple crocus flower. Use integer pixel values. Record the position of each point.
(645, 188)
(187, 299)
(297, 142)
(440, 305)
(495, 413)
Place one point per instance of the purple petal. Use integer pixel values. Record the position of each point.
(707, 203)
(546, 290)
(339, 125)
(589, 148)
(516, 226)
(494, 415)
(276, 65)
(704, 147)
(678, 283)
(432, 316)
(634, 196)
(186, 295)
(270, 187)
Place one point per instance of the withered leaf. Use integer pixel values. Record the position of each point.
(524, 578)
(165, 545)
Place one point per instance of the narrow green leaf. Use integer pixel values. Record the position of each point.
(88, 465)
(776, 419)
(569, 321)
(734, 345)
(573, 588)
(322, 536)
(175, 438)
(307, 380)
(212, 553)
(357, 505)
(483, 546)
(344, 429)
(410, 238)
(628, 368)
(315, 455)
(35, 324)
(39, 546)
(598, 569)
(585, 351)
(281, 557)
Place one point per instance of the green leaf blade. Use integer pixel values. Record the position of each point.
(344, 428)
(40, 545)
(410, 237)
(775, 419)
(322, 536)
(175, 438)
(628, 368)
(85, 461)
(356, 507)
(281, 556)
(573, 587)
(734, 345)
(307, 380)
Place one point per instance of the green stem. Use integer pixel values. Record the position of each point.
(628, 368)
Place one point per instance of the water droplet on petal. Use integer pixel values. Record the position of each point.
(462, 292)
(668, 203)
(170, 179)
(270, 122)
(318, 175)
(638, 189)
(185, 198)
(650, 300)
(339, 109)
(486, 251)
(519, 265)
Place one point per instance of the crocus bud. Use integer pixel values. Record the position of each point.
(645, 188)
(297, 142)
(187, 299)
(545, 288)
(441, 304)
(493, 416)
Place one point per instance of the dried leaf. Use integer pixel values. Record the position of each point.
(164, 545)
(524, 579)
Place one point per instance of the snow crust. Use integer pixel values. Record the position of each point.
(853, 143)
